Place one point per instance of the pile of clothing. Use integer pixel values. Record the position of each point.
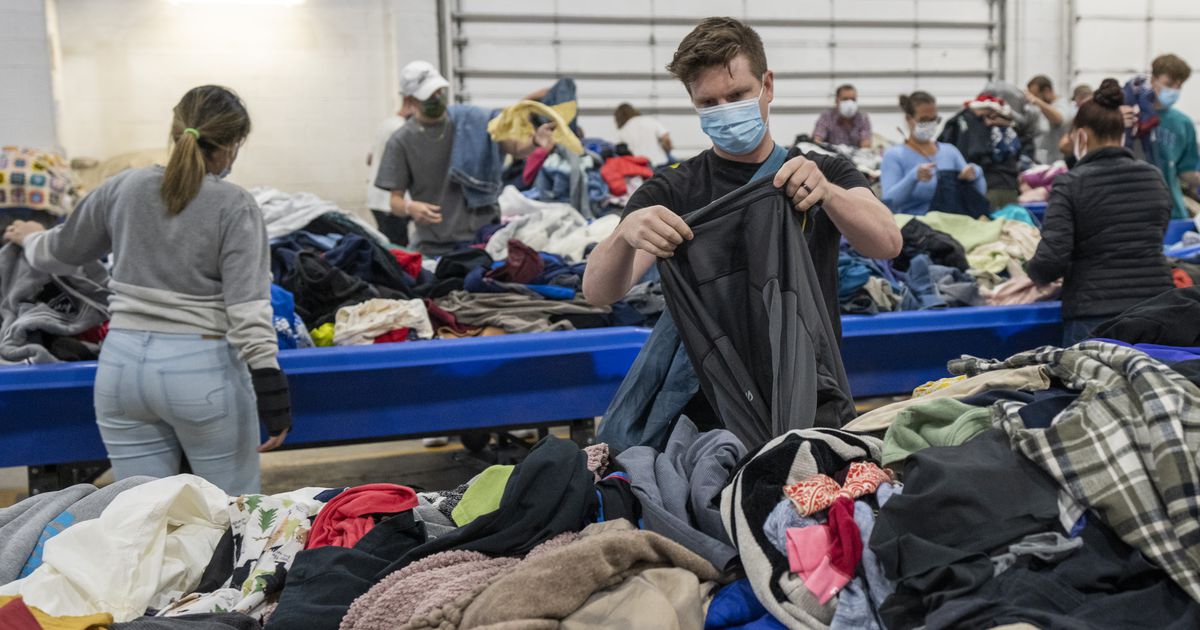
(788, 513)
(947, 260)
(1035, 182)
(50, 319)
(551, 542)
(338, 281)
(868, 161)
(814, 528)
(521, 275)
(1184, 258)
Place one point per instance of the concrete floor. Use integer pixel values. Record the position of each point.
(402, 462)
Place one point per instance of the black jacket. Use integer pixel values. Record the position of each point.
(973, 138)
(1103, 235)
(745, 297)
(1171, 318)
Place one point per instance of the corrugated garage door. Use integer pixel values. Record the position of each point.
(1118, 38)
(617, 50)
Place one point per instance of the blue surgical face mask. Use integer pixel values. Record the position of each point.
(1168, 96)
(736, 128)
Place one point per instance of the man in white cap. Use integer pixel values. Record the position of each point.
(450, 194)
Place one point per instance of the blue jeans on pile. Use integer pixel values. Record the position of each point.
(159, 396)
(653, 394)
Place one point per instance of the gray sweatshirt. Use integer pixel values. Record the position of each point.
(204, 271)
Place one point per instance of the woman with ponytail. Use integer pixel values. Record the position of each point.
(1104, 224)
(910, 171)
(189, 366)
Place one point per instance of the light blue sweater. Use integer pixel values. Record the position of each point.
(902, 192)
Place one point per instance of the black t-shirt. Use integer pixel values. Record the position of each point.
(707, 177)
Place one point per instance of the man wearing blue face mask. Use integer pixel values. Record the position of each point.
(724, 69)
(1174, 141)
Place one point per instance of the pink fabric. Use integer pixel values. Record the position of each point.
(807, 549)
(1034, 195)
(825, 556)
(1020, 291)
(348, 516)
(820, 491)
(1042, 176)
(597, 459)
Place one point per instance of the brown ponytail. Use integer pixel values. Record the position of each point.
(208, 119)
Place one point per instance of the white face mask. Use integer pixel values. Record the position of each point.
(847, 108)
(925, 131)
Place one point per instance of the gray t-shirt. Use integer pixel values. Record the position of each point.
(1047, 136)
(417, 160)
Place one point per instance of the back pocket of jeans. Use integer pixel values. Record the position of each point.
(196, 395)
(107, 389)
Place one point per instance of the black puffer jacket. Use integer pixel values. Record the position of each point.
(1103, 235)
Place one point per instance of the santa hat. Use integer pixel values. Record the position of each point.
(988, 101)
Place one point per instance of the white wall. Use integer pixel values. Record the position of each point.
(27, 111)
(317, 79)
(1036, 42)
(1119, 38)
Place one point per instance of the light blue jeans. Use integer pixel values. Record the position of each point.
(159, 396)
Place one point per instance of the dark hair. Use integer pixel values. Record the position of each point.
(1171, 66)
(1039, 83)
(842, 88)
(208, 119)
(716, 41)
(909, 102)
(1102, 112)
(624, 113)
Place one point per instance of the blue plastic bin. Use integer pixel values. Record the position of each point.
(359, 393)
(893, 353)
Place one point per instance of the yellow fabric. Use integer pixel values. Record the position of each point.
(513, 123)
(99, 621)
(933, 386)
(322, 337)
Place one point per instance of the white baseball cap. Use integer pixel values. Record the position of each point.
(420, 80)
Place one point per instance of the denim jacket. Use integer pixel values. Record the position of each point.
(475, 161)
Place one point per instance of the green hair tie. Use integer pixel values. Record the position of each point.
(195, 134)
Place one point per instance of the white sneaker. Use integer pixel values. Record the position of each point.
(435, 442)
(524, 434)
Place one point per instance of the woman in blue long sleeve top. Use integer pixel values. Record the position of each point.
(910, 170)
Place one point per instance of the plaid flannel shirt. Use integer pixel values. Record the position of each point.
(1126, 449)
